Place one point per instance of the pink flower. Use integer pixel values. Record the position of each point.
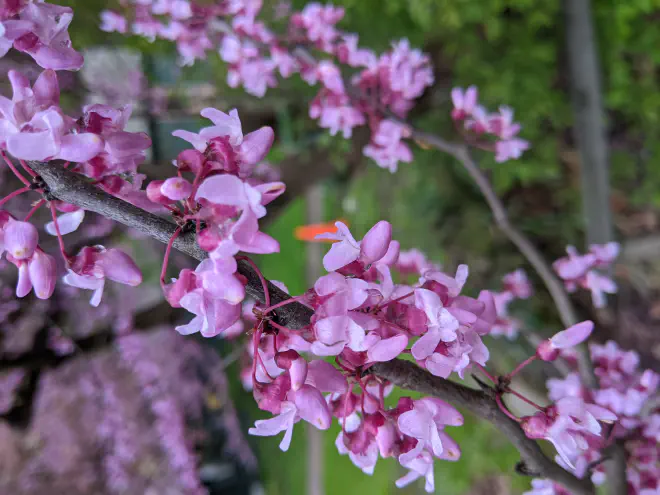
(518, 284)
(371, 249)
(442, 325)
(212, 315)
(464, 102)
(387, 148)
(599, 285)
(283, 422)
(510, 149)
(48, 41)
(113, 22)
(93, 265)
(67, 222)
(20, 239)
(419, 467)
(574, 265)
(605, 253)
(176, 188)
(425, 422)
(549, 349)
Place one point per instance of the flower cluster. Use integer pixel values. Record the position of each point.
(516, 286)
(34, 127)
(577, 270)
(41, 30)
(479, 123)
(223, 203)
(372, 89)
(625, 391)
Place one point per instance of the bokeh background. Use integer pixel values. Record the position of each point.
(74, 415)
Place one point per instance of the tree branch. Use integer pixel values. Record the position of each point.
(559, 295)
(71, 188)
(406, 374)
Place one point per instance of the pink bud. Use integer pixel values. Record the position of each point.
(190, 161)
(256, 145)
(546, 352)
(572, 336)
(176, 188)
(119, 267)
(43, 274)
(536, 426)
(312, 407)
(184, 284)
(376, 242)
(21, 239)
(156, 195)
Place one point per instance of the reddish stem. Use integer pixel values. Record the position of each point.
(27, 168)
(278, 326)
(520, 367)
(168, 249)
(264, 284)
(504, 409)
(34, 209)
(13, 169)
(396, 300)
(488, 375)
(11, 195)
(283, 303)
(523, 398)
(60, 240)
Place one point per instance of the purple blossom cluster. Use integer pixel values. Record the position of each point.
(478, 123)
(577, 270)
(357, 86)
(362, 317)
(626, 391)
(41, 30)
(516, 286)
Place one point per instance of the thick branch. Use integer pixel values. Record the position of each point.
(406, 374)
(71, 188)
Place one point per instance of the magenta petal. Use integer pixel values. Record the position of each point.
(387, 349)
(24, 284)
(376, 242)
(21, 239)
(198, 142)
(67, 222)
(572, 336)
(312, 407)
(341, 254)
(176, 188)
(46, 89)
(223, 190)
(80, 148)
(298, 373)
(119, 267)
(270, 191)
(256, 145)
(426, 344)
(43, 274)
(124, 144)
(32, 145)
(325, 377)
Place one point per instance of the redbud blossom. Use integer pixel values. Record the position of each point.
(549, 349)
